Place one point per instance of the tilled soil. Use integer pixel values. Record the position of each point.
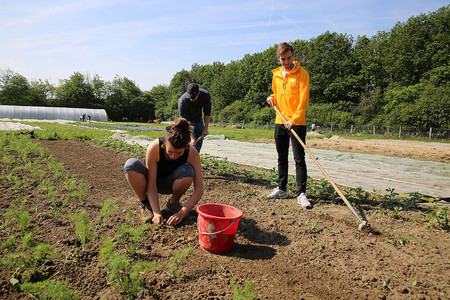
(287, 252)
(401, 148)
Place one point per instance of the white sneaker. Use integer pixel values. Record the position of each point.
(303, 201)
(277, 194)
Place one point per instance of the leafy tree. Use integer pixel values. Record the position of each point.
(159, 95)
(417, 46)
(420, 105)
(257, 73)
(177, 88)
(206, 75)
(433, 104)
(14, 89)
(146, 107)
(438, 51)
(369, 54)
(42, 93)
(238, 111)
(100, 90)
(333, 69)
(77, 91)
(228, 88)
(121, 100)
(329, 113)
(369, 107)
(179, 83)
(439, 76)
(264, 115)
(433, 107)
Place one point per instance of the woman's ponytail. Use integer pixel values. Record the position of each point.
(179, 133)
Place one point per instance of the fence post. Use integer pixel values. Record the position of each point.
(400, 132)
(331, 128)
(373, 130)
(351, 128)
(430, 133)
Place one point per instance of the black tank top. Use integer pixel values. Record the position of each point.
(165, 166)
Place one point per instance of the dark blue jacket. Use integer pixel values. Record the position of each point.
(192, 111)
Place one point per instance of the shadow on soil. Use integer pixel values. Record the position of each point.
(249, 230)
(252, 252)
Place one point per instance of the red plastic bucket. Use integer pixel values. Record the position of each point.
(217, 226)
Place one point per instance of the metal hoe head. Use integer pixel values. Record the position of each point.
(363, 225)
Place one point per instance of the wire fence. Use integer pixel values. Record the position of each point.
(431, 133)
(390, 132)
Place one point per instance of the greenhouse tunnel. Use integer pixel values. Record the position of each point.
(52, 113)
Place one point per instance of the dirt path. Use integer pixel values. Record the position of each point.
(347, 166)
(399, 148)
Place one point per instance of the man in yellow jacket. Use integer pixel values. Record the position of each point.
(290, 86)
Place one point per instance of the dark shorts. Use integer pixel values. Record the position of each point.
(164, 184)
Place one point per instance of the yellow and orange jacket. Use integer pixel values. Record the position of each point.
(291, 94)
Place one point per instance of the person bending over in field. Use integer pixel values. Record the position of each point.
(171, 165)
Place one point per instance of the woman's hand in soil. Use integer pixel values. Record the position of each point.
(157, 219)
(176, 218)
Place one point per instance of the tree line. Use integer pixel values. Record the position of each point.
(398, 77)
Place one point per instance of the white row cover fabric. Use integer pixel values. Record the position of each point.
(51, 113)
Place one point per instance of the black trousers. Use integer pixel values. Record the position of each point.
(282, 137)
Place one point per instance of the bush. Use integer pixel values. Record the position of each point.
(264, 115)
(238, 111)
(329, 113)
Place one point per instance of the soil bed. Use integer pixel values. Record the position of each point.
(401, 148)
(288, 253)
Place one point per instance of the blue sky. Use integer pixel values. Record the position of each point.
(149, 41)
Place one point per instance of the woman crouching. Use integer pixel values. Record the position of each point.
(172, 164)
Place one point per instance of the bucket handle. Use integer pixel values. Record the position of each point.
(211, 233)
